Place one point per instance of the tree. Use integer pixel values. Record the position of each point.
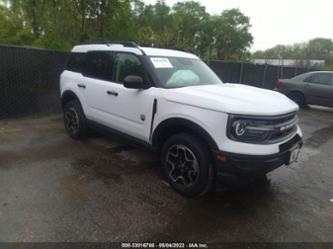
(59, 24)
(190, 18)
(316, 49)
(232, 34)
(12, 28)
(162, 24)
(320, 48)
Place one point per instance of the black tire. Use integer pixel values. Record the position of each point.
(298, 98)
(75, 121)
(197, 178)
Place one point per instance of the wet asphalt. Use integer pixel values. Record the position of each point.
(54, 189)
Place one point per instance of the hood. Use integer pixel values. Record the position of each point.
(233, 99)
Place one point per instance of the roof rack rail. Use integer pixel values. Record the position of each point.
(180, 49)
(129, 44)
(124, 43)
(173, 48)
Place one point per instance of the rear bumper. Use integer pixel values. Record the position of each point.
(238, 168)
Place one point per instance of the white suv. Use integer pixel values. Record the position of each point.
(172, 102)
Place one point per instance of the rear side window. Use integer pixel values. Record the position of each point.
(320, 78)
(99, 65)
(75, 62)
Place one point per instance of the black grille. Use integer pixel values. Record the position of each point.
(288, 145)
(283, 134)
(285, 127)
(265, 130)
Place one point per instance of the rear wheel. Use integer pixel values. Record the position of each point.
(298, 98)
(75, 120)
(187, 166)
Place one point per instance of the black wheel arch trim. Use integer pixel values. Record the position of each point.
(67, 96)
(184, 125)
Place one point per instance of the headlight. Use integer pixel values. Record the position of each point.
(247, 131)
(239, 128)
(260, 130)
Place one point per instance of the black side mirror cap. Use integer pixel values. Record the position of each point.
(134, 82)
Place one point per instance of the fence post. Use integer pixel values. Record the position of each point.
(264, 76)
(241, 73)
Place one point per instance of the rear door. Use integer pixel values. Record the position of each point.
(97, 75)
(319, 89)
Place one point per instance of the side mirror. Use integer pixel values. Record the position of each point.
(134, 82)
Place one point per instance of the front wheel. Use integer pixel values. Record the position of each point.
(75, 120)
(187, 165)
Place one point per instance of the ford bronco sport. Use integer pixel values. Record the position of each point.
(206, 131)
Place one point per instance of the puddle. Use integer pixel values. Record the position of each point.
(209, 216)
(120, 148)
(319, 137)
(75, 187)
(111, 166)
(57, 119)
(150, 200)
(100, 168)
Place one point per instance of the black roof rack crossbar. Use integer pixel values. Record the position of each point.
(124, 43)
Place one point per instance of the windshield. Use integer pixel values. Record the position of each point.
(176, 72)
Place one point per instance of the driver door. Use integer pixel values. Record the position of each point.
(131, 109)
(319, 89)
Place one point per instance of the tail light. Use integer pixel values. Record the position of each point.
(279, 84)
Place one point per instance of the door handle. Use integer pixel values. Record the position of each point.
(81, 86)
(112, 93)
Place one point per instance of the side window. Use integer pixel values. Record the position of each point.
(127, 64)
(320, 78)
(75, 62)
(99, 65)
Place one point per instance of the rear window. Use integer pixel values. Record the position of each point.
(99, 65)
(301, 77)
(75, 62)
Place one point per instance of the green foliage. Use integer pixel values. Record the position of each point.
(232, 34)
(11, 29)
(329, 67)
(316, 49)
(190, 18)
(60, 24)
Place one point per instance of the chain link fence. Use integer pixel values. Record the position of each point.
(264, 76)
(29, 78)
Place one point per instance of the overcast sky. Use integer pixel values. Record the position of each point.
(279, 21)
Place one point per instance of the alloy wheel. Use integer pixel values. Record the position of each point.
(182, 165)
(71, 120)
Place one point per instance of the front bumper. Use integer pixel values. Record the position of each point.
(238, 168)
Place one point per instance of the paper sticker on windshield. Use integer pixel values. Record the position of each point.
(161, 62)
